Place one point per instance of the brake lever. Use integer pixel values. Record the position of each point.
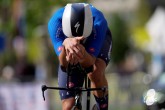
(43, 88)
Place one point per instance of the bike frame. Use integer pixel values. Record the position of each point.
(77, 90)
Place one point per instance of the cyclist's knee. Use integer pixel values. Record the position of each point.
(67, 104)
(98, 72)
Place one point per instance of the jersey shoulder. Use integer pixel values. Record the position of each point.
(58, 13)
(95, 11)
(97, 15)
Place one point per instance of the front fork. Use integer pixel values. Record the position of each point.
(78, 100)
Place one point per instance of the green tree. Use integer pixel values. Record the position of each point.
(120, 39)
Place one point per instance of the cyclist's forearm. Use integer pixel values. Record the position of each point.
(88, 60)
(62, 58)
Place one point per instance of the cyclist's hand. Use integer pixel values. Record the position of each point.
(77, 56)
(80, 51)
(72, 59)
(73, 48)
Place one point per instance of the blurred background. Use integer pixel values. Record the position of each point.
(27, 59)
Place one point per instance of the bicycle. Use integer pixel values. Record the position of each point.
(78, 90)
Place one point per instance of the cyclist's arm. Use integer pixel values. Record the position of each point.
(57, 36)
(62, 59)
(95, 42)
(77, 52)
(88, 60)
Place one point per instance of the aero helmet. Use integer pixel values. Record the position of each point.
(77, 20)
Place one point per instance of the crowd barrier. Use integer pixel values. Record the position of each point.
(21, 96)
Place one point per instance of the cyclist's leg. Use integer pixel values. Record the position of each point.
(97, 77)
(67, 104)
(67, 97)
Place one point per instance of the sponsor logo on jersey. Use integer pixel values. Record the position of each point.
(103, 105)
(60, 48)
(92, 49)
(71, 84)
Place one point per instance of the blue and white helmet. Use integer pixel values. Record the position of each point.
(77, 20)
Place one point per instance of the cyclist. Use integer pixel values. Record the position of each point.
(80, 34)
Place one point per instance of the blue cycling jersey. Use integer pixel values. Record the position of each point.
(93, 43)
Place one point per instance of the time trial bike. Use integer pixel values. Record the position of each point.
(77, 90)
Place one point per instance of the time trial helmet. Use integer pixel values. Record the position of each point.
(77, 20)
